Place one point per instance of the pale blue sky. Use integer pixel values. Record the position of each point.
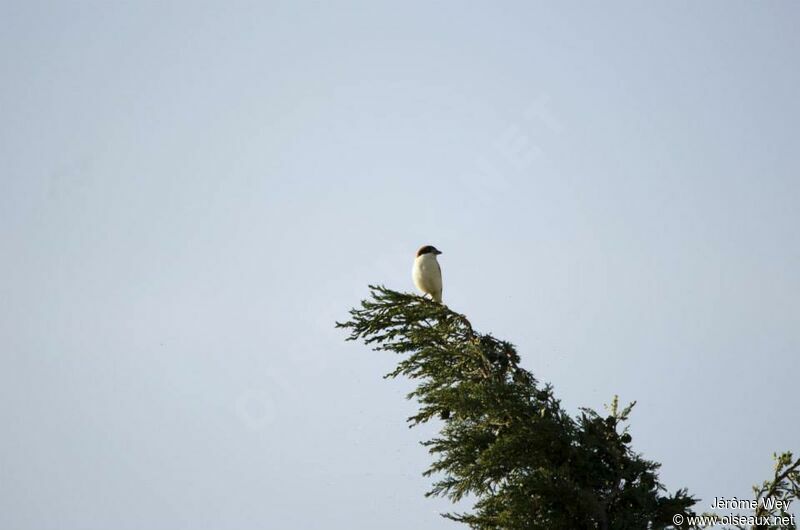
(193, 193)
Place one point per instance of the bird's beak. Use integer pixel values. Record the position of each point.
(438, 252)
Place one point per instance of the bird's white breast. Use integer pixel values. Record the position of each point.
(427, 275)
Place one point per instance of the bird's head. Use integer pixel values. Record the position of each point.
(428, 249)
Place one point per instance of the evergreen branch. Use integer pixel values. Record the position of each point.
(505, 439)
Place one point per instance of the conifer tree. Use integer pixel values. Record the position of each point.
(505, 440)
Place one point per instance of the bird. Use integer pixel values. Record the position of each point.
(426, 273)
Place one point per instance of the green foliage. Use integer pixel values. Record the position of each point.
(505, 440)
(784, 486)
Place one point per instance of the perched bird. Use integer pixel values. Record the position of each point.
(426, 273)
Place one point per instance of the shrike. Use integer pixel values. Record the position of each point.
(427, 274)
